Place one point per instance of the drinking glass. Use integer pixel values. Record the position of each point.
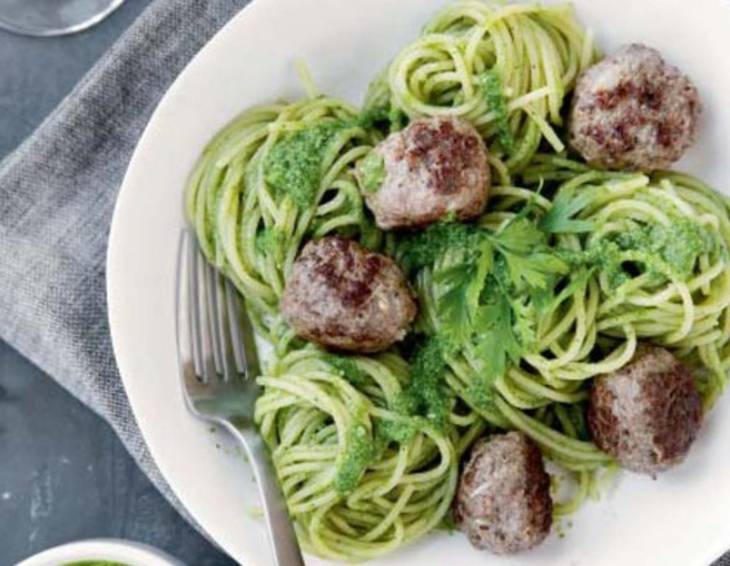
(53, 17)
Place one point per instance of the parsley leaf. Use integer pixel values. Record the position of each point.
(559, 219)
(528, 258)
(490, 294)
(536, 269)
(520, 236)
(453, 305)
(496, 342)
(465, 282)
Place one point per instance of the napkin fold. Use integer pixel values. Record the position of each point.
(57, 193)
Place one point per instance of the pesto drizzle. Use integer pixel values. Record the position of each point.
(496, 102)
(352, 462)
(294, 164)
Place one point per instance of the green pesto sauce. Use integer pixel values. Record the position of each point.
(94, 563)
(269, 240)
(294, 164)
(354, 460)
(362, 448)
(397, 119)
(397, 431)
(678, 245)
(672, 249)
(424, 401)
(347, 368)
(425, 394)
(389, 118)
(371, 171)
(480, 394)
(494, 95)
(421, 249)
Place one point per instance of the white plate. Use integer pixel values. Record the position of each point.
(681, 519)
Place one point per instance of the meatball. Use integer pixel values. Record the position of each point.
(646, 414)
(503, 499)
(435, 168)
(345, 297)
(634, 111)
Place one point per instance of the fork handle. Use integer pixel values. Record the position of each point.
(282, 537)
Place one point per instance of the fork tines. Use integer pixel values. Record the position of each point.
(214, 314)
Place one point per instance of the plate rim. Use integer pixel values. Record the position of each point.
(114, 243)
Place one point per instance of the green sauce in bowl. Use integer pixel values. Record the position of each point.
(94, 563)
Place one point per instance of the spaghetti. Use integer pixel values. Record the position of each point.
(506, 69)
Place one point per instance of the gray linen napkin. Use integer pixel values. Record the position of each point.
(57, 192)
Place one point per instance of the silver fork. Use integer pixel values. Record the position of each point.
(218, 364)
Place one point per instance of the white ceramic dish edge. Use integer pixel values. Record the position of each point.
(112, 550)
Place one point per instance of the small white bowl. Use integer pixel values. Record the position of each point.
(122, 551)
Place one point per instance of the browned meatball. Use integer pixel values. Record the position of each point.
(648, 413)
(503, 499)
(346, 297)
(634, 111)
(434, 168)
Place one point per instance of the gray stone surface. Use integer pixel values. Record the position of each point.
(63, 474)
